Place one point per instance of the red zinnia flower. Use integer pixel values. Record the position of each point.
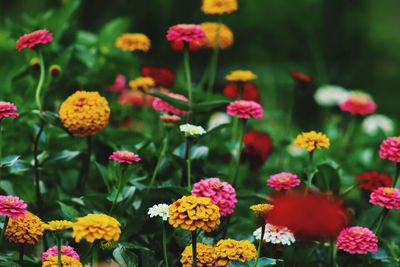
(300, 77)
(31, 39)
(193, 46)
(375, 180)
(257, 148)
(161, 76)
(250, 92)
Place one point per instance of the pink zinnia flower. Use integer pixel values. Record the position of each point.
(390, 149)
(119, 84)
(186, 32)
(13, 207)
(65, 250)
(124, 156)
(159, 104)
(357, 239)
(221, 194)
(358, 103)
(31, 39)
(387, 197)
(7, 110)
(283, 180)
(245, 109)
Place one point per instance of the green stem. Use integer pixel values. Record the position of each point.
(214, 59)
(332, 253)
(84, 173)
(4, 229)
(40, 83)
(160, 158)
(59, 250)
(95, 254)
(36, 165)
(259, 244)
(204, 78)
(188, 163)
(349, 132)
(396, 176)
(119, 188)
(234, 131)
(21, 254)
(186, 64)
(309, 177)
(164, 240)
(194, 244)
(238, 154)
(380, 223)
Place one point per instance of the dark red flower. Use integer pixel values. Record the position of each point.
(193, 46)
(257, 148)
(374, 179)
(300, 77)
(162, 76)
(250, 92)
(312, 216)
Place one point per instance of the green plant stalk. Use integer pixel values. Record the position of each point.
(84, 173)
(204, 78)
(160, 158)
(59, 239)
(381, 220)
(164, 242)
(309, 177)
(41, 80)
(186, 64)
(119, 188)
(4, 229)
(194, 244)
(396, 175)
(214, 59)
(332, 253)
(235, 123)
(95, 254)
(260, 244)
(36, 166)
(238, 154)
(188, 164)
(349, 132)
(21, 254)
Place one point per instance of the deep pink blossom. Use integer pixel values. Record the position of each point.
(186, 32)
(31, 39)
(65, 250)
(159, 104)
(7, 110)
(358, 103)
(283, 180)
(387, 197)
(245, 109)
(357, 239)
(124, 156)
(119, 84)
(390, 149)
(12, 207)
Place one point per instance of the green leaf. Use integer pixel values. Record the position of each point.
(110, 32)
(66, 155)
(180, 104)
(327, 178)
(197, 152)
(9, 160)
(104, 174)
(209, 105)
(125, 258)
(69, 211)
(262, 262)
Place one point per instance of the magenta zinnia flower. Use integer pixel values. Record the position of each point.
(65, 250)
(358, 103)
(387, 197)
(159, 104)
(221, 194)
(245, 109)
(186, 32)
(390, 149)
(124, 156)
(357, 239)
(31, 39)
(7, 110)
(13, 207)
(119, 84)
(283, 180)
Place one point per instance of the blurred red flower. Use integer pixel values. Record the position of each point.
(250, 92)
(257, 148)
(162, 76)
(300, 77)
(193, 46)
(375, 180)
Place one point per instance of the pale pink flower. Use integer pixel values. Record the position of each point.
(358, 103)
(65, 250)
(390, 149)
(387, 197)
(283, 180)
(119, 84)
(357, 239)
(7, 110)
(124, 156)
(170, 118)
(221, 194)
(31, 39)
(245, 109)
(159, 104)
(186, 32)
(12, 207)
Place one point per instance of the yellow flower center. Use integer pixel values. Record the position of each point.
(388, 190)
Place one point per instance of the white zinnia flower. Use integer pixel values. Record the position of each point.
(192, 130)
(330, 95)
(217, 119)
(372, 123)
(161, 210)
(275, 235)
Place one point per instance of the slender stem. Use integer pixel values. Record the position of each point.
(4, 229)
(188, 163)
(186, 64)
(235, 123)
(36, 165)
(380, 223)
(309, 177)
(21, 254)
(259, 244)
(59, 250)
(214, 59)
(194, 244)
(204, 78)
(84, 173)
(332, 253)
(95, 254)
(238, 154)
(119, 188)
(349, 132)
(160, 158)
(396, 176)
(164, 240)
(377, 218)
(40, 83)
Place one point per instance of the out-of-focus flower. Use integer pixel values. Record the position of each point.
(219, 6)
(312, 140)
(179, 45)
(372, 123)
(245, 109)
(7, 109)
(212, 30)
(124, 157)
(142, 83)
(161, 76)
(161, 210)
(190, 213)
(34, 38)
(132, 42)
(12, 207)
(358, 103)
(374, 180)
(387, 197)
(136, 98)
(96, 226)
(357, 239)
(261, 209)
(52, 261)
(275, 235)
(250, 92)
(228, 250)
(217, 119)
(35, 64)
(390, 149)
(84, 113)
(57, 225)
(300, 77)
(205, 255)
(170, 119)
(159, 104)
(330, 95)
(221, 194)
(257, 148)
(55, 70)
(26, 229)
(283, 180)
(241, 76)
(192, 130)
(312, 216)
(119, 84)
(65, 250)
(294, 150)
(186, 32)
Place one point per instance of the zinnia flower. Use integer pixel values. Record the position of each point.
(192, 130)
(132, 42)
(12, 207)
(190, 213)
(124, 157)
(205, 255)
(84, 113)
(34, 38)
(52, 261)
(358, 103)
(300, 77)
(283, 180)
(249, 91)
(241, 76)
(161, 76)
(212, 30)
(119, 84)
(228, 250)
(374, 179)
(96, 226)
(257, 148)
(27, 229)
(261, 209)
(275, 235)
(142, 83)
(372, 123)
(330, 95)
(159, 104)
(170, 119)
(387, 197)
(161, 210)
(221, 194)
(58, 225)
(186, 32)
(55, 70)
(357, 239)
(65, 250)
(312, 140)
(7, 110)
(390, 149)
(312, 216)
(219, 6)
(245, 109)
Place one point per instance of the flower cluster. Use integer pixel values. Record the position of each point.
(159, 104)
(358, 103)
(214, 31)
(283, 180)
(219, 6)
(228, 250)
(249, 91)
(124, 157)
(161, 76)
(192, 130)
(390, 149)
(275, 235)
(12, 207)
(387, 197)
(27, 229)
(357, 239)
(241, 76)
(205, 255)
(312, 140)
(132, 42)
(161, 210)
(58, 225)
(245, 109)
(34, 38)
(96, 226)
(65, 250)
(7, 109)
(52, 261)
(374, 180)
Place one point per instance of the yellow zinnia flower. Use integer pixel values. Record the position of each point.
(312, 140)
(211, 30)
(261, 209)
(219, 6)
(96, 226)
(241, 76)
(26, 229)
(52, 261)
(228, 250)
(57, 225)
(142, 83)
(132, 42)
(205, 255)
